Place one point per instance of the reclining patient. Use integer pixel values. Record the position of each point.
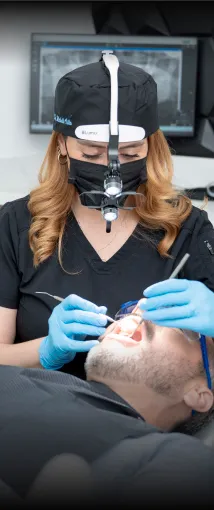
(140, 385)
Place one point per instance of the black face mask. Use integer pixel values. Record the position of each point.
(90, 177)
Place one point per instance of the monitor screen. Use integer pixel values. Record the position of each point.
(172, 61)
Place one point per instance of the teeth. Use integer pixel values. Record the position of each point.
(128, 326)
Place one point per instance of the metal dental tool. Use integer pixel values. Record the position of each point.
(173, 275)
(62, 299)
(51, 295)
(179, 266)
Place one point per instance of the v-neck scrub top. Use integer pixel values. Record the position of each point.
(135, 266)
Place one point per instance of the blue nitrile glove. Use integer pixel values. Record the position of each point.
(70, 322)
(180, 304)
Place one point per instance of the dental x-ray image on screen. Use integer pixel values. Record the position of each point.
(171, 63)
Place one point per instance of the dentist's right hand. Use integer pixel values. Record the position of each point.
(70, 322)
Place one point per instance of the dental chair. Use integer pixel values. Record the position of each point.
(9, 499)
(65, 478)
(200, 426)
(186, 484)
(206, 435)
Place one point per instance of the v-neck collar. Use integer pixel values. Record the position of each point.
(92, 256)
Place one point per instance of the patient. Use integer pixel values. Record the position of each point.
(140, 385)
(158, 370)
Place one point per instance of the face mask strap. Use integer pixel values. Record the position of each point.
(66, 146)
(71, 179)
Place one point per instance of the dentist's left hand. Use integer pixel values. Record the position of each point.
(180, 304)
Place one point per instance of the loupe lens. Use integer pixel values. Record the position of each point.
(89, 199)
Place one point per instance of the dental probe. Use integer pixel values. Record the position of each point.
(179, 266)
(62, 299)
(173, 275)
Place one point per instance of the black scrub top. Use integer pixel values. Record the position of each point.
(122, 278)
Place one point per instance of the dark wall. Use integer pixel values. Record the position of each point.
(172, 19)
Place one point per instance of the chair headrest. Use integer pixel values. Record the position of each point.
(201, 425)
(206, 434)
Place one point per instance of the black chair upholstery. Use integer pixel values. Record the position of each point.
(200, 426)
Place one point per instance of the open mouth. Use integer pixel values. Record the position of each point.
(127, 332)
(137, 335)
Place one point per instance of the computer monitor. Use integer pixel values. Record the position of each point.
(172, 61)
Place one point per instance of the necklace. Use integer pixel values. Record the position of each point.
(93, 227)
(116, 233)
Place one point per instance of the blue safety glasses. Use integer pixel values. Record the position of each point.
(205, 358)
(128, 307)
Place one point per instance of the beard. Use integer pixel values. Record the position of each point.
(162, 371)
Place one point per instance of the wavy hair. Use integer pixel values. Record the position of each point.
(51, 202)
(163, 207)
